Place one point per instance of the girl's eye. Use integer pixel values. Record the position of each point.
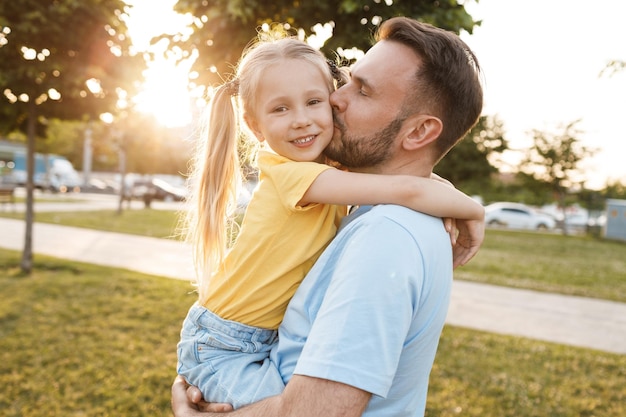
(280, 109)
(314, 102)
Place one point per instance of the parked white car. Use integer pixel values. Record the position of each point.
(517, 216)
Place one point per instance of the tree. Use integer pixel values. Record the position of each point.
(66, 59)
(222, 28)
(616, 190)
(555, 158)
(151, 148)
(469, 165)
(63, 137)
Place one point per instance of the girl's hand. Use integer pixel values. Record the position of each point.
(471, 234)
(466, 236)
(450, 225)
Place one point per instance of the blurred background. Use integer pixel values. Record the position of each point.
(108, 96)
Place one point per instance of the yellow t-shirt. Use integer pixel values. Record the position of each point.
(278, 243)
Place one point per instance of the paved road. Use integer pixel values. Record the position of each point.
(576, 321)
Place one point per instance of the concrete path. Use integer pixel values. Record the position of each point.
(161, 257)
(576, 321)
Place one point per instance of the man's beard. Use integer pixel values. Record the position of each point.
(363, 152)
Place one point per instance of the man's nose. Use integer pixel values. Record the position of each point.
(336, 100)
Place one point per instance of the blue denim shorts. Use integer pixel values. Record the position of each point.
(227, 360)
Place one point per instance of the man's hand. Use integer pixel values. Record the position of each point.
(471, 234)
(187, 401)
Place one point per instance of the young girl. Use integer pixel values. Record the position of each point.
(283, 90)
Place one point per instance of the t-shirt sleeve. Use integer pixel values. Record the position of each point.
(292, 179)
(365, 316)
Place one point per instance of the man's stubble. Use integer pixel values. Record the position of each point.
(357, 153)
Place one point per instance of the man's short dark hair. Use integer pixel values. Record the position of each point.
(448, 82)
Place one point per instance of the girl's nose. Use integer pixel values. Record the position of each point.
(301, 119)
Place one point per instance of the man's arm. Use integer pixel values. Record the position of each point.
(303, 397)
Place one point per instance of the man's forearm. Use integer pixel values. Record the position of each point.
(303, 397)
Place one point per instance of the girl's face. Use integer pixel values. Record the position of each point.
(293, 112)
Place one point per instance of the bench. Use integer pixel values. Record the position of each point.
(7, 196)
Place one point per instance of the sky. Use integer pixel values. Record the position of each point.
(542, 62)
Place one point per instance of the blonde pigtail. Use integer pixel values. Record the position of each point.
(217, 178)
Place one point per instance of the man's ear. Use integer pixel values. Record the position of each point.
(253, 126)
(425, 129)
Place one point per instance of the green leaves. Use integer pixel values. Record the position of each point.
(71, 42)
(228, 26)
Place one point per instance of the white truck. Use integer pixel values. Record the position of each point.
(52, 172)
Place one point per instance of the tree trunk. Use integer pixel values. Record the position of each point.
(27, 255)
(562, 203)
(122, 168)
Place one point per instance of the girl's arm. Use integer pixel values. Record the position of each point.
(425, 195)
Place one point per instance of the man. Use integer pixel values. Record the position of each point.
(361, 333)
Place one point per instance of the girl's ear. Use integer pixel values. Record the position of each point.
(253, 126)
(425, 129)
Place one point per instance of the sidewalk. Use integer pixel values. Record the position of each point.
(575, 321)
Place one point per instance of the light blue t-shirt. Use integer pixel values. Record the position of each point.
(370, 312)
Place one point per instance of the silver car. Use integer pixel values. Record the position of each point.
(517, 216)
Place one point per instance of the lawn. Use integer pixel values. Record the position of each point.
(481, 374)
(83, 340)
(574, 265)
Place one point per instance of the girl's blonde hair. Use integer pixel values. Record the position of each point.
(216, 170)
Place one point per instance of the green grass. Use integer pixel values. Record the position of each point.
(479, 374)
(83, 340)
(574, 265)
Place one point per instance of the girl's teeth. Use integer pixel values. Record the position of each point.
(304, 140)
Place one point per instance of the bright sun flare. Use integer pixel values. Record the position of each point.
(164, 93)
